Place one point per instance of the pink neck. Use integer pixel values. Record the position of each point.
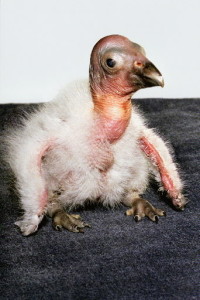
(114, 129)
(113, 114)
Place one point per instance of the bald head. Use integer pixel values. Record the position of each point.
(119, 66)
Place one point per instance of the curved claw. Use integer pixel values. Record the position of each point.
(57, 227)
(137, 218)
(87, 225)
(156, 219)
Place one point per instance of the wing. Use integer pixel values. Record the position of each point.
(163, 166)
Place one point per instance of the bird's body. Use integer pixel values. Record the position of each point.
(87, 145)
(80, 160)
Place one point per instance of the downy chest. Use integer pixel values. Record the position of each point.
(104, 134)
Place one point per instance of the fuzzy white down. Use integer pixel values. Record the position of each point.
(72, 163)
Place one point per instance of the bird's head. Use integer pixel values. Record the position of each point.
(119, 67)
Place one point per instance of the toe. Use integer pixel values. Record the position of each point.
(57, 227)
(76, 229)
(87, 225)
(137, 218)
(152, 216)
(129, 212)
(76, 216)
(160, 212)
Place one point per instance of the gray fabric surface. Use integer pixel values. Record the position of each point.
(117, 258)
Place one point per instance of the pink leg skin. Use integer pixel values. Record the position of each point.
(178, 199)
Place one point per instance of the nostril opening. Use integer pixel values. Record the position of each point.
(138, 64)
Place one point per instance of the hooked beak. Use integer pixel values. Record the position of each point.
(148, 75)
(152, 76)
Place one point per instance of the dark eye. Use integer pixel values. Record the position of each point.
(110, 62)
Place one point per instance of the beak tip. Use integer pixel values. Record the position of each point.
(162, 83)
(158, 80)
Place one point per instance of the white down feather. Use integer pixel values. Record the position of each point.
(73, 163)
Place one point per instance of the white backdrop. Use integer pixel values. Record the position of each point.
(47, 43)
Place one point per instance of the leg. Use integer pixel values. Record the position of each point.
(141, 208)
(61, 219)
(163, 167)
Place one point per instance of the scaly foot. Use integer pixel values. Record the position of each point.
(73, 223)
(141, 208)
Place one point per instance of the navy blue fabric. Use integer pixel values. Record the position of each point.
(117, 258)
